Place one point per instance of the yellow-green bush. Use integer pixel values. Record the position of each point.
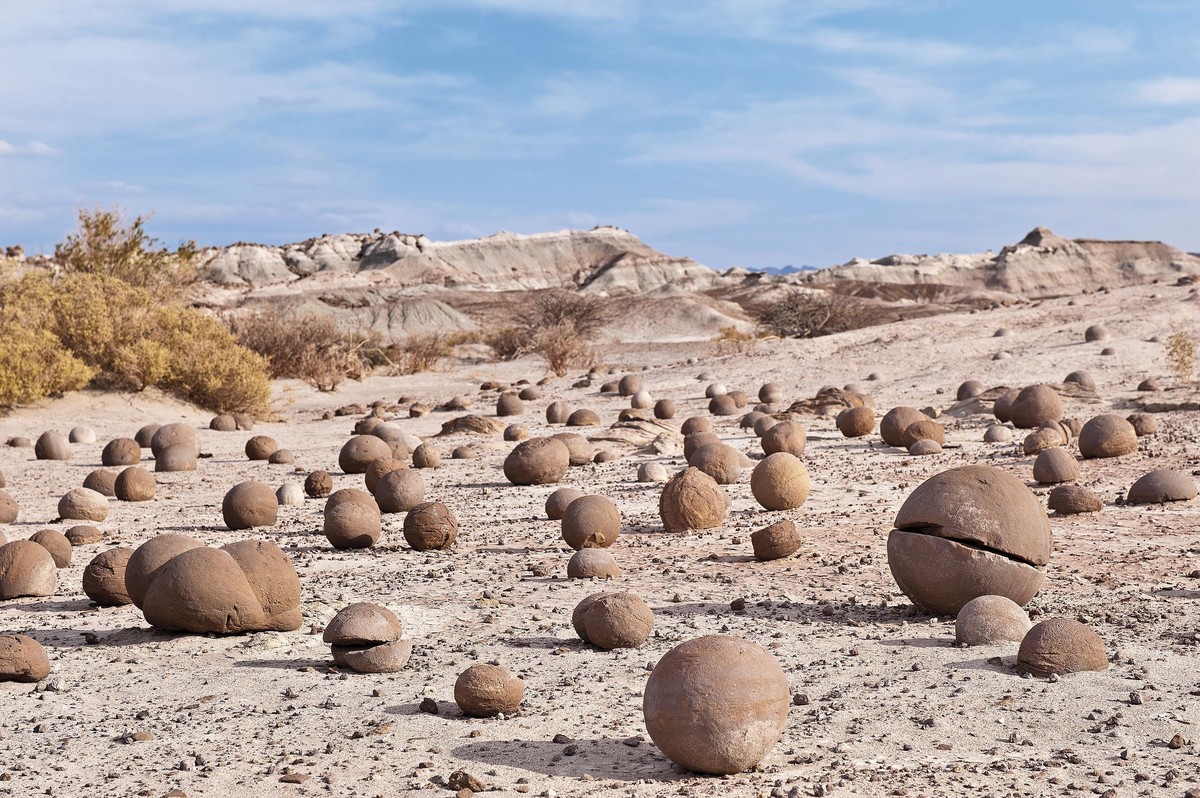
(33, 364)
(208, 365)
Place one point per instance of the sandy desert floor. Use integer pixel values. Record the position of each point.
(885, 704)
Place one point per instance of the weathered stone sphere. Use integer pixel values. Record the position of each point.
(696, 441)
(248, 505)
(380, 468)
(692, 500)
(969, 390)
(1162, 486)
(360, 451)
(716, 704)
(26, 569)
(771, 393)
(223, 423)
(557, 413)
(997, 433)
(1041, 439)
(103, 481)
(363, 624)
(83, 534)
(175, 458)
(591, 522)
(104, 577)
(1073, 499)
(740, 399)
(664, 409)
(1034, 405)
(121, 452)
(715, 389)
(83, 504)
(52, 445)
(430, 526)
(1097, 332)
(1081, 378)
(1150, 384)
(652, 472)
(395, 437)
(695, 424)
(56, 543)
(776, 541)
(529, 394)
(144, 437)
(537, 461)
(172, 435)
(630, 384)
(968, 532)
(509, 404)
(1002, 405)
(1061, 645)
(923, 429)
(378, 658)
(135, 484)
(426, 456)
(723, 405)
(750, 419)
(786, 436)
(855, 422)
(9, 510)
(366, 426)
(592, 563)
(722, 463)
(642, 400)
(579, 449)
(1055, 465)
(148, 559)
(352, 519)
(583, 418)
(81, 434)
(923, 447)
(484, 691)
(1107, 435)
(20, 442)
(281, 457)
(780, 482)
(318, 484)
(1144, 424)
(22, 659)
(558, 501)
(986, 620)
(613, 620)
(289, 494)
(895, 421)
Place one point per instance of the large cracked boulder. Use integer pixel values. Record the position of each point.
(692, 500)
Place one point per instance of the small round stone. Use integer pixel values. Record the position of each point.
(780, 482)
(104, 577)
(290, 494)
(1160, 486)
(102, 480)
(56, 543)
(986, 620)
(1073, 499)
(83, 504)
(135, 484)
(430, 526)
(776, 541)
(484, 691)
(592, 563)
(318, 484)
(22, 659)
(855, 422)
(614, 620)
(1059, 646)
(1055, 465)
(249, 504)
(591, 522)
(652, 472)
(692, 500)
(352, 519)
(175, 458)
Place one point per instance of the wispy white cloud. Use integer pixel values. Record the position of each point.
(34, 148)
(1169, 91)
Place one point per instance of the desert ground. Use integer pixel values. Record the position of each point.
(884, 702)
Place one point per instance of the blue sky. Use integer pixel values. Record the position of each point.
(757, 133)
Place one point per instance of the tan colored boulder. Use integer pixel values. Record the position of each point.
(537, 461)
(52, 445)
(360, 451)
(177, 434)
(613, 620)
(83, 504)
(558, 501)
(400, 491)
(855, 422)
(776, 541)
(695, 424)
(557, 413)
(83, 534)
(1144, 424)
(426, 456)
(1073, 499)
(780, 482)
(583, 418)
(695, 441)
(352, 519)
(145, 435)
(1055, 465)
(591, 522)
(430, 526)
(997, 433)
(176, 458)
(1161, 486)
(380, 468)
(103, 481)
(121, 452)
(1035, 405)
(921, 430)
(135, 484)
(223, 423)
(1107, 435)
(380, 658)
(26, 569)
(986, 620)
(592, 564)
(630, 384)
(579, 448)
(664, 409)
(148, 560)
(261, 447)
(249, 504)
(722, 463)
(895, 421)
(509, 404)
(723, 405)
(318, 484)
(1061, 645)
(22, 659)
(104, 577)
(56, 544)
(363, 624)
(484, 691)
(692, 500)
(9, 510)
(786, 436)
(969, 390)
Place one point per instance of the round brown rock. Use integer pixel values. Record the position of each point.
(1081, 378)
(1150, 384)
(780, 482)
(1107, 435)
(516, 432)
(1143, 424)
(135, 484)
(22, 659)
(695, 424)
(484, 691)
(591, 522)
(9, 510)
(969, 390)
(579, 449)
(176, 457)
(592, 564)
(1041, 439)
(352, 519)
(104, 577)
(923, 429)
(1055, 465)
(722, 463)
(583, 418)
(148, 559)
(174, 435)
(1034, 405)
(770, 393)
(363, 624)
(380, 468)
(997, 433)
(1061, 645)
(895, 421)
(537, 461)
(430, 526)
(56, 544)
(1162, 486)
(83, 534)
(986, 620)
(509, 404)
(145, 436)
(52, 446)
(249, 504)
(1002, 405)
(786, 436)
(1073, 499)
(692, 500)
(559, 500)
(223, 423)
(723, 405)
(615, 620)
(696, 441)
(26, 569)
(83, 504)
(102, 481)
(716, 704)
(1097, 332)
(121, 452)
(629, 385)
(281, 457)
(664, 409)
(426, 456)
(360, 451)
(557, 413)
(318, 484)
(776, 541)
(855, 422)
(380, 658)
(924, 447)
(530, 394)
(652, 472)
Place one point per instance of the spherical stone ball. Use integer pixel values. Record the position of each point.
(83, 504)
(692, 500)
(360, 451)
(363, 624)
(967, 532)
(740, 399)
(81, 434)
(463, 453)
(776, 541)
(430, 526)
(121, 452)
(997, 433)
(135, 484)
(289, 494)
(484, 691)
(1073, 500)
(923, 429)
(986, 620)
(1082, 379)
(281, 457)
(771, 393)
(144, 437)
(83, 534)
(695, 424)
(9, 509)
(148, 559)
(516, 432)
(379, 658)
(780, 482)
(715, 389)
(630, 384)
(1143, 424)
(1161, 486)
(1107, 435)
(394, 436)
(968, 390)
(367, 425)
(642, 400)
(762, 425)
(26, 569)
(20, 442)
(399, 491)
(716, 704)
(1041, 439)
(22, 659)
(604, 456)
(1055, 465)
(592, 564)
(261, 447)
(52, 446)
(579, 449)
(1151, 384)
(786, 436)
(175, 458)
(652, 472)
(1061, 645)
(537, 461)
(249, 504)
(104, 577)
(924, 447)
(722, 463)
(529, 394)
(223, 423)
(613, 620)
(722, 405)
(664, 409)
(855, 422)
(1035, 405)
(583, 418)
(1002, 405)
(509, 404)
(352, 519)
(557, 413)
(318, 484)
(559, 500)
(895, 421)
(56, 543)
(1097, 332)
(696, 441)
(172, 435)
(426, 456)
(747, 421)
(591, 522)
(380, 468)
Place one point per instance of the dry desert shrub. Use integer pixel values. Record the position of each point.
(105, 244)
(33, 364)
(420, 352)
(732, 341)
(509, 343)
(809, 314)
(559, 326)
(303, 346)
(1181, 352)
(563, 347)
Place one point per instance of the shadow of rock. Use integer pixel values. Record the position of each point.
(602, 758)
